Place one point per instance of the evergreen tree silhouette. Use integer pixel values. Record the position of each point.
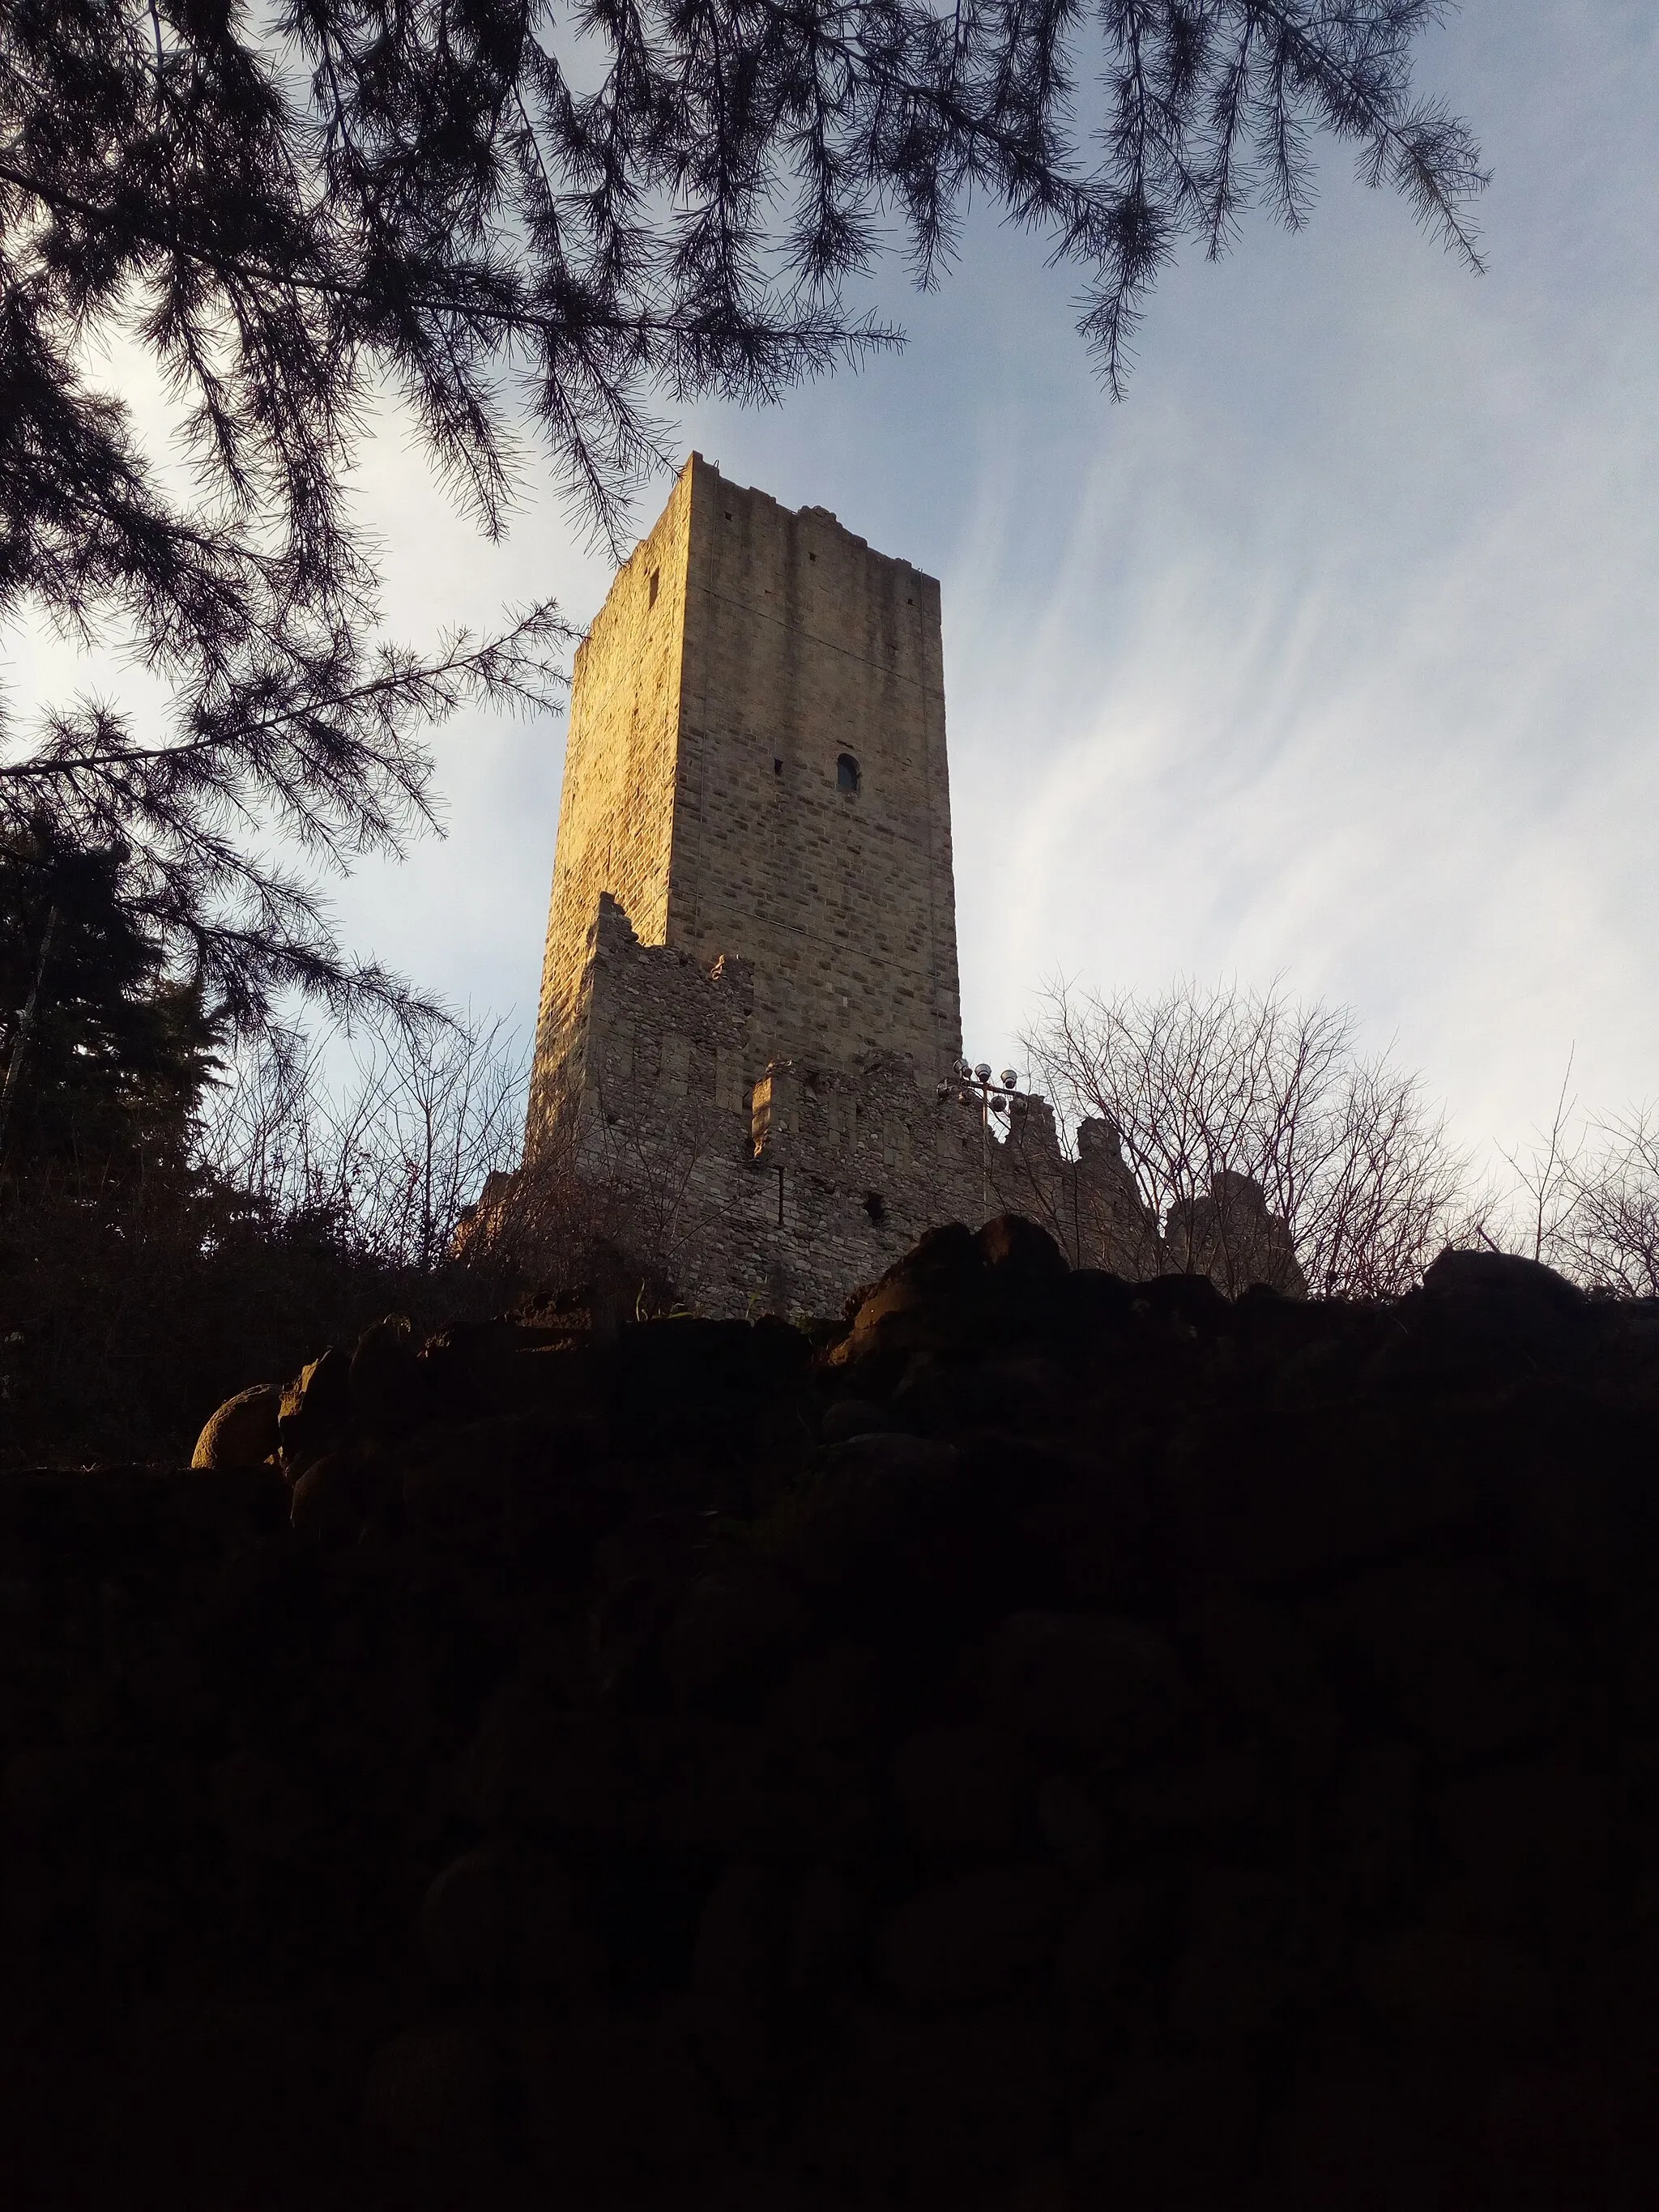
(525, 228)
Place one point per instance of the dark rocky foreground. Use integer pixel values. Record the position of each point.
(1068, 1745)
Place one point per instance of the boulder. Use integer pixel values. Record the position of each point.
(1312, 1489)
(1069, 1822)
(946, 2111)
(1114, 1686)
(1496, 1313)
(385, 1383)
(1457, 1986)
(958, 1789)
(735, 1968)
(1021, 1256)
(1098, 1303)
(1347, 2136)
(683, 1359)
(1099, 1949)
(431, 2098)
(871, 1504)
(455, 1482)
(533, 1766)
(616, 2099)
(1211, 1795)
(261, 1807)
(244, 1431)
(464, 1368)
(821, 1941)
(1173, 2130)
(928, 1301)
(1557, 2135)
(315, 1408)
(728, 1629)
(947, 1258)
(1237, 1970)
(329, 1499)
(1457, 1655)
(501, 1918)
(904, 1317)
(51, 1790)
(971, 1935)
(1189, 1303)
(1531, 1838)
(1500, 1275)
(853, 1417)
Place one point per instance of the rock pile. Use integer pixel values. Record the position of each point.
(1061, 1744)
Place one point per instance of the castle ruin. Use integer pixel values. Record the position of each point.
(750, 1030)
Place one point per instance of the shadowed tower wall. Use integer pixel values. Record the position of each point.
(742, 650)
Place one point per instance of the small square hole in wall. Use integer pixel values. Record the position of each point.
(655, 580)
(811, 556)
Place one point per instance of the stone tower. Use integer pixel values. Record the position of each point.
(747, 1050)
(756, 769)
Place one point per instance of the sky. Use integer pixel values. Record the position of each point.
(1328, 654)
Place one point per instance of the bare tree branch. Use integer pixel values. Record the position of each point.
(1206, 1090)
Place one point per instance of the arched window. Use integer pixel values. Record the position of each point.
(846, 774)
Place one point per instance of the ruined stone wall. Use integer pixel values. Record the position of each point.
(784, 1192)
(750, 1024)
(1089, 1202)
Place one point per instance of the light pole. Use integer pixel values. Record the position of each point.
(1000, 1097)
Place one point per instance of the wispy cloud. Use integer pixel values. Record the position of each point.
(1329, 654)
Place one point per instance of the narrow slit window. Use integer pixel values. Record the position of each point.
(777, 766)
(848, 777)
(656, 580)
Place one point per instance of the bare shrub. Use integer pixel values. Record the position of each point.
(323, 1190)
(601, 1216)
(1206, 1084)
(129, 1310)
(1608, 1236)
(386, 1135)
(1585, 1199)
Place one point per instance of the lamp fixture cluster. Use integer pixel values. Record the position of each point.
(975, 1085)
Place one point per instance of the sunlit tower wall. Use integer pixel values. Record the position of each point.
(756, 768)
